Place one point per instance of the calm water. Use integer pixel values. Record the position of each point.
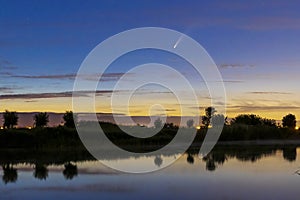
(247, 172)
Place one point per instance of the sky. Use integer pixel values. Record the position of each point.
(255, 45)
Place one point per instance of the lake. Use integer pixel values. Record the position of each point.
(228, 172)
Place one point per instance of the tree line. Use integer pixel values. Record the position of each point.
(10, 119)
(210, 118)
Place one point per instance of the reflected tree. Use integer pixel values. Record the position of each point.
(213, 158)
(70, 171)
(289, 153)
(10, 175)
(40, 172)
(190, 159)
(210, 165)
(158, 161)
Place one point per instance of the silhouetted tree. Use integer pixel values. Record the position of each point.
(190, 123)
(247, 119)
(70, 119)
(209, 112)
(289, 121)
(10, 119)
(218, 120)
(70, 171)
(10, 175)
(170, 126)
(158, 123)
(40, 172)
(41, 119)
(269, 122)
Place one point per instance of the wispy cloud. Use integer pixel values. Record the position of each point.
(235, 65)
(272, 22)
(6, 65)
(71, 76)
(9, 89)
(254, 108)
(54, 95)
(6, 90)
(263, 92)
(233, 81)
(56, 76)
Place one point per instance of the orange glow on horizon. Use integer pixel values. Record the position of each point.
(60, 105)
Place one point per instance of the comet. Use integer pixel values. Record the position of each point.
(178, 41)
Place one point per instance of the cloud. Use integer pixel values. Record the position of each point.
(234, 65)
(71, 76)
(233, 81)
(170, 110)
(8, 89)
(6, 65)
(30, 101)
(54, 95)
(270, 23)
(253, 108)
(57, 76)
(280, 93)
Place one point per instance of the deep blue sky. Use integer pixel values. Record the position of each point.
(255, 44)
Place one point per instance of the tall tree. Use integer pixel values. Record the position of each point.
(209, 112)
(289, 121)
(10, 119)
(218, 120)
(70, 119)
(269, 122)
(41, 119)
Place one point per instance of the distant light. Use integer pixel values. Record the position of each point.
(29, 127)
(198, 127)
(296, 128)
(1, 127)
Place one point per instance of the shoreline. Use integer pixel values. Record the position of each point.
(261, 142)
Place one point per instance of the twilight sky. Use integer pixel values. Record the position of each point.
(256, 46)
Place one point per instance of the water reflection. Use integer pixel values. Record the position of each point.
(67, 161)
(190, 158)
(70, 171)
(158, 161)
(219, 155)
(40, 172)
(10, 174)
(289, 153)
